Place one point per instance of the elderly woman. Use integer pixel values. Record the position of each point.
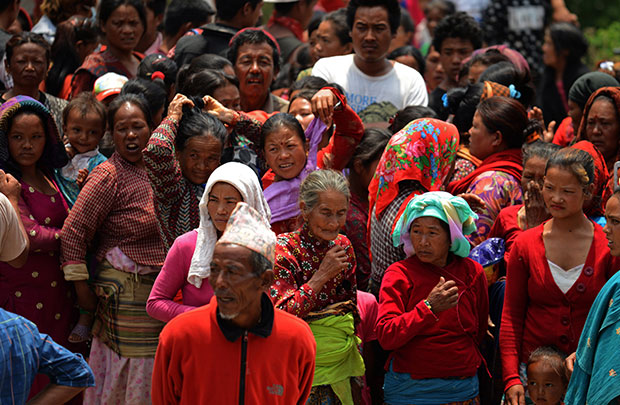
(433, 306)
(189, 260)
(315, 280)
(600, 123)
(417, 159)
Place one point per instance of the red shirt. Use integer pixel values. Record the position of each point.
(536, 312)
(425, 345)
(196, 364)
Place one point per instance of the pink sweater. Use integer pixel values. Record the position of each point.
(172, 278)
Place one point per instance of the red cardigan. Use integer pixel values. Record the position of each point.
(425, 345)
(196, 364)
(506, 227)
(536, 312)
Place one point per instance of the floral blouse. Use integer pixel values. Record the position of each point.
(298, 256)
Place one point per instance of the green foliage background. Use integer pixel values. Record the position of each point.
(600, 20)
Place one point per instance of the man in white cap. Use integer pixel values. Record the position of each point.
(239, 348)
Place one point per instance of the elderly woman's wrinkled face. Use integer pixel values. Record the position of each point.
(612, 228)
(285, 152)
(430, 240)
(603, 128)
(223, 199)
(533, 170)
(328, 216)
(28, 65)
(199, 158)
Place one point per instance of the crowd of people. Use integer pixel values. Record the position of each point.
(340, 202)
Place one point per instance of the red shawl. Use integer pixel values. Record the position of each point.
(508, 161)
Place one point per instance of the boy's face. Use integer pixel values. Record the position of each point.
(84, 131)
(544, 384)
(453, 51)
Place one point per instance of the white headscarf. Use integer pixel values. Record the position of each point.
(246, 182)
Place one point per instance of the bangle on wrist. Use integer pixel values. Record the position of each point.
(428, 305)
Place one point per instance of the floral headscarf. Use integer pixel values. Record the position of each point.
(54, 154)
(452, 210)
(422, 151)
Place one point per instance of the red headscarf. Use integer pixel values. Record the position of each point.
(611, 92)
(602, 186)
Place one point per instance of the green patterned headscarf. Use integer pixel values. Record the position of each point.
(441, 205)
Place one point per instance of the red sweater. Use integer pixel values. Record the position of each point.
(536, 312)
(425, 345)
(506, 226)
(196, 364)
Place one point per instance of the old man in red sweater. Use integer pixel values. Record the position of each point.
(238, 349)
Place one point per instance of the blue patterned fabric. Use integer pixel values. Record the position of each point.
(24, 352)
(596, 378)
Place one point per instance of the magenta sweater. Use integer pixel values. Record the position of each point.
(172, 278)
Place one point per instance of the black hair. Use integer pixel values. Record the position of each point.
(412, 51)
(253, 36)
(26, 37)
(196, 122)
(458, 25)
(507, 116)
(158, 6)
(447, 7)
(506, 73)
(158, 63)
(227, 9)
(308, 82)
(406, 21)
(567, 37)
(60, 10)
(463, 102)
(205, 82)
(137, 100)
(284, 9)
(260, 264)
(580, 164)
(408, 114)
(306, 94)
(54, 154)
(338, 19)
(64, 57)
(610, 100)
(4, 4)
(554, 357)
(539, 149)
(281, 120)
(107, 7)
(315, 21)
(208, 61)
(392, 7)
(86, 102)
(371, 146)
(154, 93)
(180, 12)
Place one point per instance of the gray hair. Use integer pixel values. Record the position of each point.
(260, 263)
(319, 181)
